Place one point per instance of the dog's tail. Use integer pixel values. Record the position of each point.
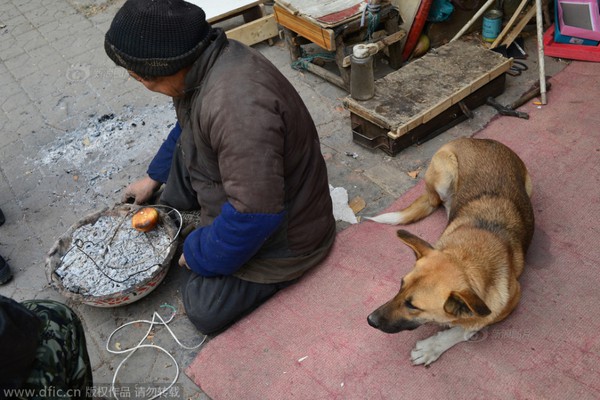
(419, 209)
(393, 218)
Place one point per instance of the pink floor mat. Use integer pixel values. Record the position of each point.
(312, 341)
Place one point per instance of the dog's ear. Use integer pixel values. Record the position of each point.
(466, 303)
(419, 246)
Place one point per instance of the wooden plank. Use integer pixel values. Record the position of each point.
(257, 27)
(438, 108)
(366, 114)
(287, 6)
(516, 31)
(413, 123)
(322, 37)
(372, 136)
(461, 94)
(395, 134)
(220, 10)
(328, 76)
(472, 87)
(426, 87)
(474, 18)
(501, 69)
(479, 82)
(319, 8)
(509, 24)
(256, 31)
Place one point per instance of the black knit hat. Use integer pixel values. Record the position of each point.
(157, 37)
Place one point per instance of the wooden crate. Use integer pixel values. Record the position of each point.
(257, 26)
(427, 96)
(323, 37)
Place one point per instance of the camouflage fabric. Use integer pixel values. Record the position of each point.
(62, 367)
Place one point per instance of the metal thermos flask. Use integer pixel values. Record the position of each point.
(362, 80)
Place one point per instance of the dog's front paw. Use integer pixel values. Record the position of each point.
(426, 351)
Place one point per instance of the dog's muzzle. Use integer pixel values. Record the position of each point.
(377, 321)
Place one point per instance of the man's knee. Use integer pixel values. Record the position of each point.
(208, 321)
(212, 304)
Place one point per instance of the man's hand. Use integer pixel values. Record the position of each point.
(182, 262)
(140, 191)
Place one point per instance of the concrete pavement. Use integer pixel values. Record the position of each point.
(75, 130)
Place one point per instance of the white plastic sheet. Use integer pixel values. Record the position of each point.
(341, 209)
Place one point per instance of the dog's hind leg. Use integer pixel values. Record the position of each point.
(441, 177)
(440, 180)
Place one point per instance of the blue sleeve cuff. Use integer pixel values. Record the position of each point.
(161, 163)
(229, 242)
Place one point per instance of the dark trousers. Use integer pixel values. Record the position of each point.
(212, 304)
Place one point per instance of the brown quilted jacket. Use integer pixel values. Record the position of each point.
(247, 138)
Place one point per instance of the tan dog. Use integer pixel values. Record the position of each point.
(468, 279)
